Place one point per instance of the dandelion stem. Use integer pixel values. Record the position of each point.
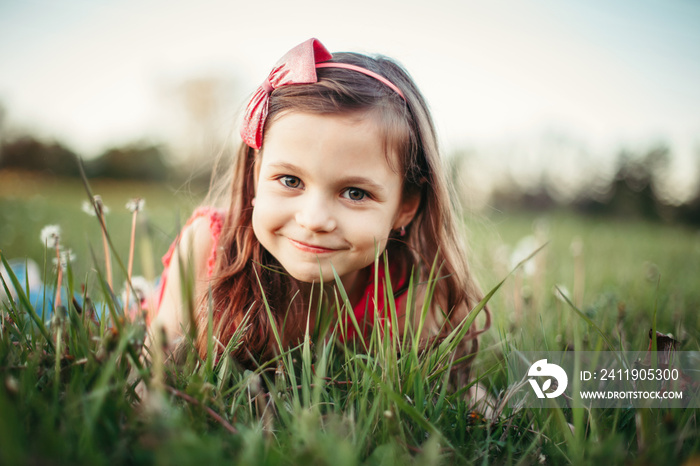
(57, 300)
(108, 262)
(131, 260)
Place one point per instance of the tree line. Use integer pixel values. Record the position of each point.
(635, 190)
(139, 161)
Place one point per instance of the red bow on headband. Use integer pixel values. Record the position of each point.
(298, 66)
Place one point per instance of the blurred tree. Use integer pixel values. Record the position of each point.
(136, 161)
(690, 211)
(636, 189)
(3, 116)
(30, 153)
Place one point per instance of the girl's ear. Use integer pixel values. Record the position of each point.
(407, 210)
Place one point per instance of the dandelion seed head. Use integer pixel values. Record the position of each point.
(136, 204)
(254, 385)
(87, 208)
(525, 247)
(67, 257)
(101, 205)
(50, 236)
(90, 210)
(12, 385)
(142, 288)
(562, 293)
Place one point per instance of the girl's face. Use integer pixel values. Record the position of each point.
(325, 195)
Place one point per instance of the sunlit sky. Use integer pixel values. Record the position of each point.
(608, 73)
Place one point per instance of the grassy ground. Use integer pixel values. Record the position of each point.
(613, 269)
(66, 395)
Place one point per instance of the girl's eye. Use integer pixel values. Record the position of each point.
(354, 194)
(290, 181)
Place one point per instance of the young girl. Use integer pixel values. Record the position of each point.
(339, 163)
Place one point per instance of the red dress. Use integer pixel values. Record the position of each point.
(367, 314)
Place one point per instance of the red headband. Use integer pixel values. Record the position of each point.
(298, 66)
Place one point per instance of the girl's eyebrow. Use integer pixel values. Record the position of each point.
(350, 180)
(287, 166)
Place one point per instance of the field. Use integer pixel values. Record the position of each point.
(67, 395)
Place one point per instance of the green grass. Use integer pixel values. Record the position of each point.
(68, 390)
(629, 268)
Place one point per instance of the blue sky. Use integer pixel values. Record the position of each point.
(608, 73)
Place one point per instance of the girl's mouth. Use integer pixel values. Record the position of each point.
(311, 248)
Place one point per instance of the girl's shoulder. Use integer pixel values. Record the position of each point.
(200, 235)
(197, 241)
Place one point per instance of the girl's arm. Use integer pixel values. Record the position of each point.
(188, 268)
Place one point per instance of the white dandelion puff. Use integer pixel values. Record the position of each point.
(562, 293)
(254, 384)
(90, 210)
(136, 205)
(525, 247)
(67, 257)
(142, 289)
(50, 236)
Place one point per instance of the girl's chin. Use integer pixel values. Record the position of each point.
(312, 278)
(310, 274)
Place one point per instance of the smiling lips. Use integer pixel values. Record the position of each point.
(311, 248)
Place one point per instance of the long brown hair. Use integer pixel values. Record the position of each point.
(246, 275)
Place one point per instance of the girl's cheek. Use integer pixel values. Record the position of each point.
(266, 212)
(254, 219)
(261, 213)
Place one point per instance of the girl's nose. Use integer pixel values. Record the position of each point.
(315, 214)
